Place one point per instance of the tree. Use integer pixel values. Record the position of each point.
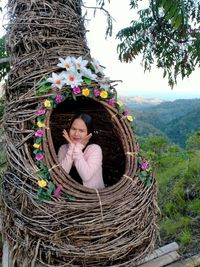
(167, 33)
(154, 147)
(193, 141)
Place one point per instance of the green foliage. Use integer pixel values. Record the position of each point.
(174, 12)
(168, 228)
(185, 238)
(4, 65)
(166, 32)
(170, 208)
(173, 227)
(193, 141)
(175, 121)
(178, 175)
(2, 106)
(156, 146)
(179, 129)
(194, 207)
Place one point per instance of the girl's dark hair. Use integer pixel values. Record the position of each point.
(87, 119)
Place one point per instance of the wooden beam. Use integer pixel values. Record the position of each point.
(193, 261)
(162, 260)
(161, 251)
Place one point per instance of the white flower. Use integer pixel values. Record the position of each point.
(88, 74)
(104, 83)
(98, 69)
(56, 80)
(72, 78)
(66, 63)
(80, 63)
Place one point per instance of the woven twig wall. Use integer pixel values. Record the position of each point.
(115, 226)
(39, 32)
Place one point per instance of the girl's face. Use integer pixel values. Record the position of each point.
(78, 131)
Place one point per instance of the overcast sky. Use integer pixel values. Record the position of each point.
(135, 81)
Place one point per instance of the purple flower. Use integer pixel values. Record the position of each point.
(39, 133)
(39, 157)
(76, 90)
(57, 192)
(40, 112)
(111, 101)
(145, 165)
(96, 92)
(58, 98)
(126, 113)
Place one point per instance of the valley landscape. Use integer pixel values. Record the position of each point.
(174, 120)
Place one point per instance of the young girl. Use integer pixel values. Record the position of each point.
(80, 157)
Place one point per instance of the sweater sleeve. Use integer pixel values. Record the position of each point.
(65, 156)
(87, 166)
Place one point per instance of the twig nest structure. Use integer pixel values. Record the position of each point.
(55, 220)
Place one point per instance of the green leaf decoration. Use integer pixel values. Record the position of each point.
(69, 197)
(74, 97)
(43, 196)
(43, 89)
(51, 188)
(38, 140)
(40, 190)
(177, 22)
(41, 83)
(144, 173)
(35, 151)
(87, 81)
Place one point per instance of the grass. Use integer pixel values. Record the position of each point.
(179, 200)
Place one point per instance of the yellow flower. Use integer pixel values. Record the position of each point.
(104, 94)
(47, 103)
(120, 103)
(86, 92)
(40, 124)
(42, 183)
(36, 145)
(129, 118)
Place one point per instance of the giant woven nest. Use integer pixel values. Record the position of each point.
(114, 226)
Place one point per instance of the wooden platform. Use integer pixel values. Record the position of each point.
(164, 256)
(168, 256)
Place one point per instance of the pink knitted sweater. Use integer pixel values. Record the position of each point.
(87, 163)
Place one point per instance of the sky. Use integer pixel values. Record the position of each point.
(135, 82)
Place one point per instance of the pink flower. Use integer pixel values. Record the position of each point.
(96, 92)
(57, 192)
(39, 133)
(111, 101)
(58, 99)
(39, 157)
(40, 112)
(145, 165)
(126, 113)
(76, 90)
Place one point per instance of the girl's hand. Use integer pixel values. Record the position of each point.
(66, 136)
(86, 139)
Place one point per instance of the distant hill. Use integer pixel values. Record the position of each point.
(139, 102)
(172, 119)
(178, 129)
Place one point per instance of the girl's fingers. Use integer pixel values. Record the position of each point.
(85, 140)
(88, 137)
(66, 136)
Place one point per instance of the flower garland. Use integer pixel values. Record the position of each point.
(73, 81)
